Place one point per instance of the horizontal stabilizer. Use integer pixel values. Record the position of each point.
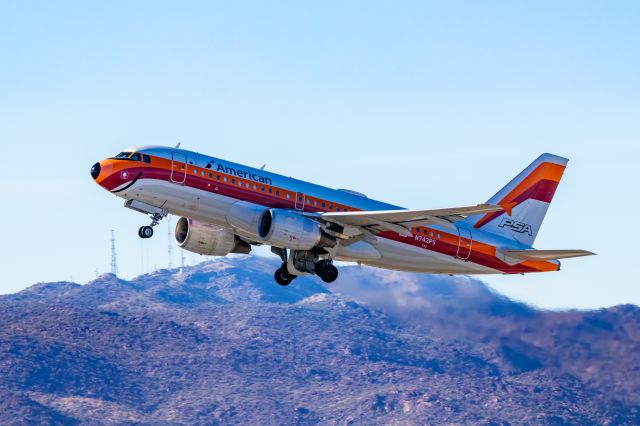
(546, 254)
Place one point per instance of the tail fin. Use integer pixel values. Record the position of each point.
(525, 201)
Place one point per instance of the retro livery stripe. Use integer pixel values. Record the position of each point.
(540, 185)
(223, 180)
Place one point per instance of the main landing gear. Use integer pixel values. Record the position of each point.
(303, 262)
(326, 271)
(147, 231)
(283, 277)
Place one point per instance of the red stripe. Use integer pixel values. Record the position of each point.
(271, 200)
(452, 250)
(543, 190)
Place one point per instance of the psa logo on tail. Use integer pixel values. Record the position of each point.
(515, 226)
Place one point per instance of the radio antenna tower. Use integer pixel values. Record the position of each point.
(114, 261)
(169, 243)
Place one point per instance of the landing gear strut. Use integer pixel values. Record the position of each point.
(303, 262)
(147, 231)
(282, 275)
(156, 214)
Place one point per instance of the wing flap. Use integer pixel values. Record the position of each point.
(408, 217)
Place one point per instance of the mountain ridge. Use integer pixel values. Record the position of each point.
(221, 343)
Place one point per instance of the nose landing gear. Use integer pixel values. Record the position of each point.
(147, 231)
(156, 214)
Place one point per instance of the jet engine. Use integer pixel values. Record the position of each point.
(287, 229)
(208, 239)
(244, 218)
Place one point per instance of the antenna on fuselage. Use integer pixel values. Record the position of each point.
(263, 166)
(178, 146)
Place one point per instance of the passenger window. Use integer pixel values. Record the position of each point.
(308, 201)
(262, 189)
(424, 232)
(346, 210)
(324, 205)
(438, 236)
(239, 183)
(210, 175)
(330, 206)
(146, 158)
(195, 171)
(288, 195)
(431, 234)
(255, 187)
(248, 185)
(270, 191)
(217, 177)
(315, 203)
(203, 173)
(225, 179)
(233, 181)
(277, 193)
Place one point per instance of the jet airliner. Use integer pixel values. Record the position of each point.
(225, 207)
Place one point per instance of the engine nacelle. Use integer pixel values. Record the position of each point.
(291, 230)
(245, 218)
(207, 238)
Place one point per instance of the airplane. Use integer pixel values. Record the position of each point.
(226, 207)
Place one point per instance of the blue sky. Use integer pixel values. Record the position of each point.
(422, 104)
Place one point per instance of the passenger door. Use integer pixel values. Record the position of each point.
(465, 241)
(178, 167)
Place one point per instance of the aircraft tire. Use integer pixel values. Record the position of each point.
(145, 232)
(283, 277)
(328, 273)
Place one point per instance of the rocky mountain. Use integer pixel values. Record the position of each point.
(221, 343)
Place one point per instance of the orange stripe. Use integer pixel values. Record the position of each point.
(548, 171)
(544, 171)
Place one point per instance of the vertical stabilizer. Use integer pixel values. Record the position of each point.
(525, 201)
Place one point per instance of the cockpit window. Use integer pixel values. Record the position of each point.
(131, 156)
(146, 158)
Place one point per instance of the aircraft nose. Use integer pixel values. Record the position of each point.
(95, 171)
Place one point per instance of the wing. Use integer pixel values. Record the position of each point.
(546, 254)
(401, 221)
